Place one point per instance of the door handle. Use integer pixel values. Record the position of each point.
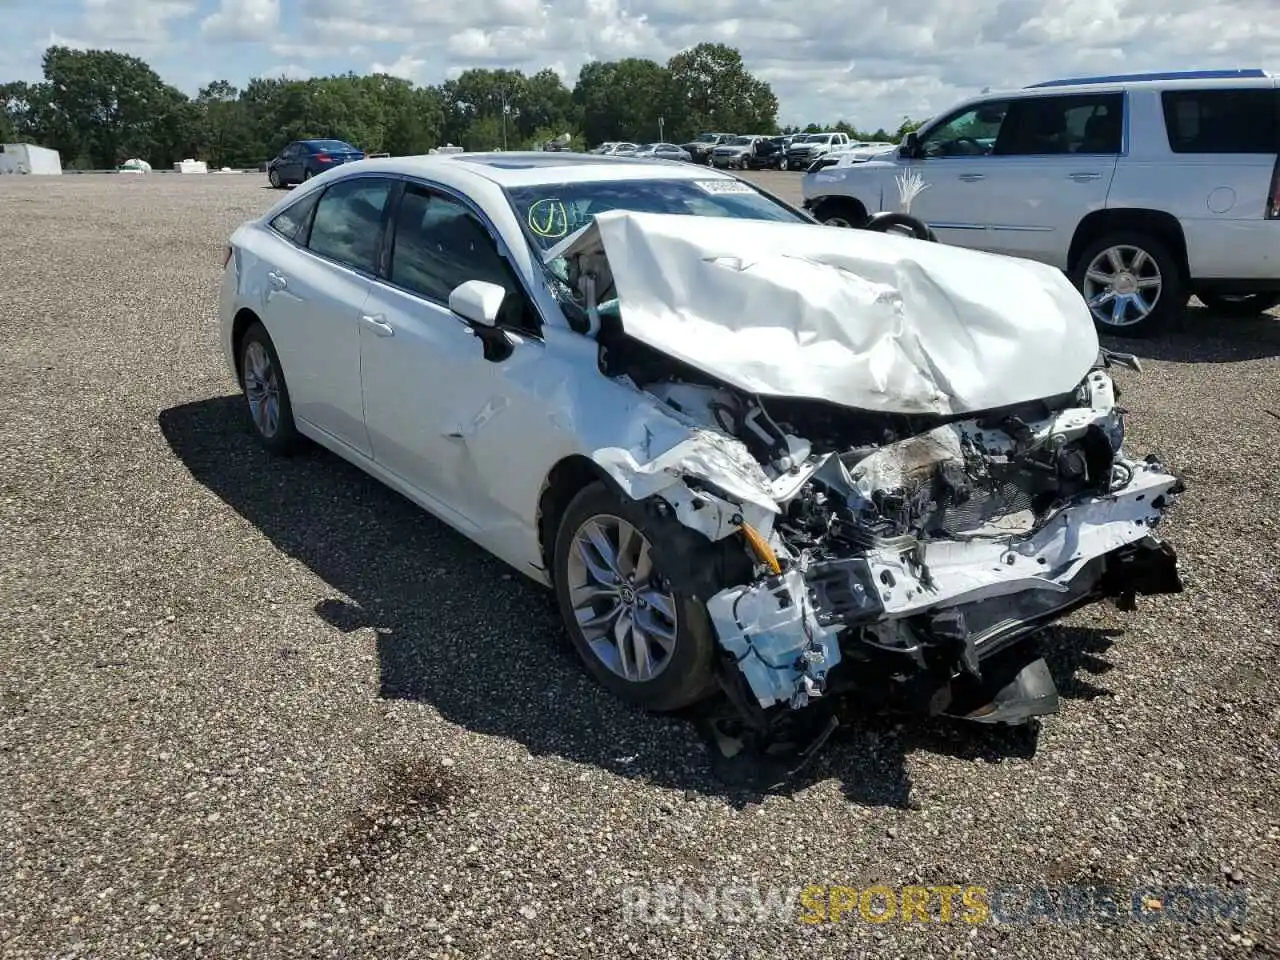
(378, 325)
(1084, 176)
(971, 177)
(278, 281)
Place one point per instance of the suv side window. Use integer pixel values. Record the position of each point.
(348, 222)
(1089, 123)
(1222, 121)
(293, 221)
(970, 133)
(439, 244)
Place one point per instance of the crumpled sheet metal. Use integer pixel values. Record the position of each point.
(865, 320)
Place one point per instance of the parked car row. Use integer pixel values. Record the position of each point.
(727, 151)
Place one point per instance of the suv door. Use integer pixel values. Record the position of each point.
(953, 160)
(1052, 165)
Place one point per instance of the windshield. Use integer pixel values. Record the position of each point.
(740, 141)
(550, 212)
(707, 138)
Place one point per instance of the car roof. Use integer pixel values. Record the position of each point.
(1113, 83)
(520, 168)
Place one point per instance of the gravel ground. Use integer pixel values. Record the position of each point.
(253, 708)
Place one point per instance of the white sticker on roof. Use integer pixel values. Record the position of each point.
(724, 186)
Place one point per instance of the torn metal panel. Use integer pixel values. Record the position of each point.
(868, 321)
(772, 631)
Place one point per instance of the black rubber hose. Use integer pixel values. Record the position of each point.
(888, 220)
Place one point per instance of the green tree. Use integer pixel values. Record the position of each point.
(710, 89)
(623, 100)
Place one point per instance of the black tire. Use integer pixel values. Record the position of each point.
(840, 212)
(1240, 305)
(1172, 296)
(307, 175)
(689, 567)
(273, 178)
(889, 221)
(284, 439)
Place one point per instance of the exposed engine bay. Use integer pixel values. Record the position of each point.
(913, 559)
(903, 555)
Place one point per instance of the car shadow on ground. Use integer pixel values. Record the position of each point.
(1198, 335)
(459, 630)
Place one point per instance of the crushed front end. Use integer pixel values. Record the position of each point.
(911, 572)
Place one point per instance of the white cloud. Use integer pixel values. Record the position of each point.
(133, 21)
(286, 71)
(242, 20)
(863, 60)
(406, 67)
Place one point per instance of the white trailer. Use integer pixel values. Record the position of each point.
(28, 158)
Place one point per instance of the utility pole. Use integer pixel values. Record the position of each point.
(660, 137)
(503, 91)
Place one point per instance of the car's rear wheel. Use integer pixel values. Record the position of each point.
(307, 175)
(625, 584)
(1240, 304)
(1131, 283)
(273, 178)
(839, 212)
(266, 393)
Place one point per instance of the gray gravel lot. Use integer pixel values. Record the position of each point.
(260, 708)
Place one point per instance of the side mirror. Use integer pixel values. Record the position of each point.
(910, 148)
(478, 302)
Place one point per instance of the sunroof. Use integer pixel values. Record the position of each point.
(532, 161)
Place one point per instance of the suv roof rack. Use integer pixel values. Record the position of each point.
(1244, 74)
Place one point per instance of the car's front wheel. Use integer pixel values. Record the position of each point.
(627, 582)
(1240, 304)
(266, 393)
(839, 212)
(1131, 283)
(273, 178)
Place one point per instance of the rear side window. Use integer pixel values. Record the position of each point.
(1222, 121)
(348, 222)
(1049, 126)
(293, 221)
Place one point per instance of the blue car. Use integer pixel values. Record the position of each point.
(303, 159)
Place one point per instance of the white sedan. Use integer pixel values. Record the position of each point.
(747, 451)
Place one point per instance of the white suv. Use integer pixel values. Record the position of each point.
(1145, 188)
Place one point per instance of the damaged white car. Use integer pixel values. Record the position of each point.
(750, 453)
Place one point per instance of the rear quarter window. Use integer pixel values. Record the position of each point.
(1222, 121)
(294, 220)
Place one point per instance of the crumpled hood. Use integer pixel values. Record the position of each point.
(865, 320)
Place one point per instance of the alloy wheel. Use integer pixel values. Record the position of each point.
(262, 389)
(1122, 285)
(627, 618)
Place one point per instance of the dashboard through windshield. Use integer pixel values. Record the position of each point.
(550, 212)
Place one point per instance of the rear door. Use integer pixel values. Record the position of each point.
(316, 291)
(1223, 145)
(1051, 166)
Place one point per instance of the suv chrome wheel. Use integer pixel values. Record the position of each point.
(1122, 285)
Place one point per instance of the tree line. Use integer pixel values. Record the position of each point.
(99, 108)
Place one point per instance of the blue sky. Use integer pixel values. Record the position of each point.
(861, 60)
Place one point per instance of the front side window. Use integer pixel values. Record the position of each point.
(1047, 126)
(293, 220)
(348, 222)
(439, 244)
(1222, 121)
(970, 133)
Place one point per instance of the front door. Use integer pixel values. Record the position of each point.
(440, 416)
(955, 170)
